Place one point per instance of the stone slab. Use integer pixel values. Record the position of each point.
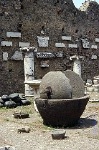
(76, 83)
(67, 38)
(94, 57)
(17, 56)
(96, 39)
(72, 45)
(60, 45)
(43, 41)
(13, 34)
(24, 44)
(85, 43)
(5, 56)
(6, 43)
(44, 55)
(94, 46)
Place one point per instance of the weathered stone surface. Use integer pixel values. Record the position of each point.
(6, 43)
(17, 56)
(58, 83)
(43, 41)
(94, 57)
(67, 38)
(24, 44)
(13, 34)
(76, 83)
(5, 56)
(60, 45)
(72, 45)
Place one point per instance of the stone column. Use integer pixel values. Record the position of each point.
(77, 67)
(77, 64)
(28, 54)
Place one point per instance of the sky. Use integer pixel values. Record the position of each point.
(78, 3)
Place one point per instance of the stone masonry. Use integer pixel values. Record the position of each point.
(56, 28)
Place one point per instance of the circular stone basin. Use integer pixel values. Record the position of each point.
(61, 112)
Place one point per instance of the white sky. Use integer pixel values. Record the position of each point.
(78, 3)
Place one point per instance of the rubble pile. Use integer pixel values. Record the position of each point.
(13, 100)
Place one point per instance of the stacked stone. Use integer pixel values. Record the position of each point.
(96, 84)
(92, 88)
(13, 100)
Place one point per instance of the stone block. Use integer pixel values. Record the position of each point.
(43, 41)
(94, 57)
(97, 40)
(24, 44)
(17, 56)
(59, 54)
(60, 45)
(85, 43)
(44, 55)
(67, 38)
(72, 45)
(94, 46)
(6, 43)
(13, 34)
(5, 56)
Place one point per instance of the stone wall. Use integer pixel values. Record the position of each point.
(52, 26)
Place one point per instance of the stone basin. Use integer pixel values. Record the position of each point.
(61, 112)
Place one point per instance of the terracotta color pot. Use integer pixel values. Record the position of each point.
(61, 112)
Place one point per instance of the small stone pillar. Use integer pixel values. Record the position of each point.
(77, 64)
(28, 54)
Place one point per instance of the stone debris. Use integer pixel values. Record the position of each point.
(23, 130)
(13, 100)
(7, 148)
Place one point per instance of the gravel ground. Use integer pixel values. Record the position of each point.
(84, 136)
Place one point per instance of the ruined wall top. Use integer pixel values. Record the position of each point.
(88, 4)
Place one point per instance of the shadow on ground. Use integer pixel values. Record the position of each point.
(85, 123)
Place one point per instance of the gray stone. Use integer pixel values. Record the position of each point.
(57, 84)
(24, 44)
(60, 45)
(85, 43)
(94, 57)
(76, 83)
(5, 56)
(6, 43)
(17, 56)
(13, 34)
(44, 55)
(43, 41)
(96, 39)
(67, 38)
(72, 45)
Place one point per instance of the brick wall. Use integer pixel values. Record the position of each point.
(52, 19)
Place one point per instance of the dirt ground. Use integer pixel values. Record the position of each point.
(84, 136)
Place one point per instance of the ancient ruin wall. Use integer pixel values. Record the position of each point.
(52, 26)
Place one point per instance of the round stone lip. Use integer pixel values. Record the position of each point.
(58, 134)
